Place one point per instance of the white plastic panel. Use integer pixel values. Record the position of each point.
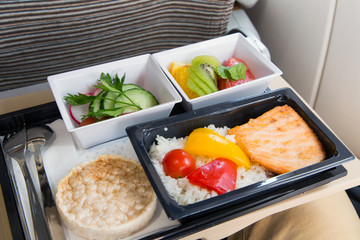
(297, 34)
(338, 101)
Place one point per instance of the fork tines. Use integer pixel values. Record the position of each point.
(14, 124)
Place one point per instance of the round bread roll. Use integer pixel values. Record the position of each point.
(107, 198)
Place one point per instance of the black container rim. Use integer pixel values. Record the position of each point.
(136, 133)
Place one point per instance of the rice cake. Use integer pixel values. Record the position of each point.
(279, 140)
(107, 198)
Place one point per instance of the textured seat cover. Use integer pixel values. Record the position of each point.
(42, 38)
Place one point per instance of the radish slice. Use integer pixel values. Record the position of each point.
(97, 91)
(77, 112)
(72, 115)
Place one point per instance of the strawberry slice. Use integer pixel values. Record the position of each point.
(226, 83)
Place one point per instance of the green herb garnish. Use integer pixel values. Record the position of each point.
(79, 99)
(110, 84)
(233, 73)
(105, 83)
(108, 112)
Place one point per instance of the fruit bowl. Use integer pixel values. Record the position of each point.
(141, 70)
(223, 48)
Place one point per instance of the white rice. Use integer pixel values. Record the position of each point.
(181, 189)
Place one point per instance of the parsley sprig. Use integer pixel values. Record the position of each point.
(79, 99)
(110, 84)
(116, 85)
(106, 83)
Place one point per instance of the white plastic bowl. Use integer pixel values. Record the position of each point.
(234, 45)
(141, 70)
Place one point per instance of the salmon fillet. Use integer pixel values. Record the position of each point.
(279, 140)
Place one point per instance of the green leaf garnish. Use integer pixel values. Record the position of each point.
(108, 112)
(233, 73)
(108, 84)
(119, 83)
(80, 99)
(115, 85)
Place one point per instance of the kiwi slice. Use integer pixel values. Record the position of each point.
(202, 73)
(197, 85)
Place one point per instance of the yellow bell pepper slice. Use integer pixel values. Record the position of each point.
(205, 141)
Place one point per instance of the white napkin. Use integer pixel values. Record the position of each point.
(62, 153)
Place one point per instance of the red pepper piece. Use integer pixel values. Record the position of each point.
(219, 175)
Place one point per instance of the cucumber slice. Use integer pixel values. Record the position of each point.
(139, 96)
(109, 97)
(95, 105)
(129, 86)
(108, 100)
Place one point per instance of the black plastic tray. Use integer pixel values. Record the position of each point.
(213, 219)
(47, 113)
(231, 114)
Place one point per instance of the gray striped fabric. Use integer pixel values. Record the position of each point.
(42, 38)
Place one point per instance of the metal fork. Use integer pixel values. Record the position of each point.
(14, 145)
(37, 138)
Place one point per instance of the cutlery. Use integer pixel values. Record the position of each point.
(14, 145)
(37, 137)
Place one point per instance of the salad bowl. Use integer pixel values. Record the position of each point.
(140, 70)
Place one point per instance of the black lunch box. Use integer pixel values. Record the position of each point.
(231, 114)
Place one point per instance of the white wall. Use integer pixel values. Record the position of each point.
(296, 33)
(338, 101)
(317, 46)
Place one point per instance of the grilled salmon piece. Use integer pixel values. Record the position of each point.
(279, 140)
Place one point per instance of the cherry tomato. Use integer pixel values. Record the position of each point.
(177, 163)
(225, 83)
(219, 175)
(88, 120)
